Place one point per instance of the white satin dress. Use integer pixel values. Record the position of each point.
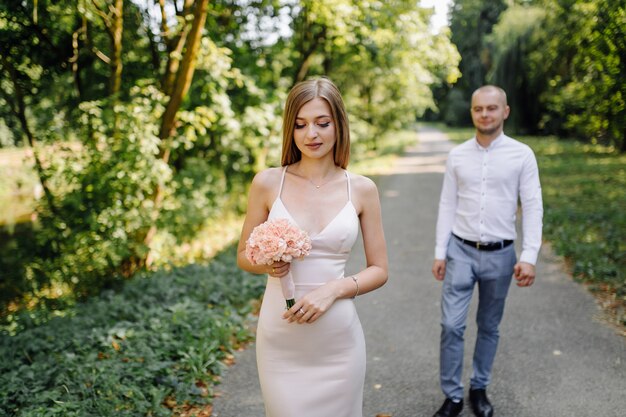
(317, 369)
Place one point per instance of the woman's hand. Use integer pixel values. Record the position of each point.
(313, 305)
(278, 269)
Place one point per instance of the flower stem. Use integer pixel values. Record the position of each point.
(290, 303)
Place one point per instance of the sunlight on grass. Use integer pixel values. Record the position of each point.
(212, 238)
(18, 188)
(381, 162)
(455, 134)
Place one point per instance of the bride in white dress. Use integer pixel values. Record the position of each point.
(311, 358)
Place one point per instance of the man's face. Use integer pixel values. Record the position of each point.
(489, 111)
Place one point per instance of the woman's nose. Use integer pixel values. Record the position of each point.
(312, 131)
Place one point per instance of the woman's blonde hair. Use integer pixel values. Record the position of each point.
(302, 93)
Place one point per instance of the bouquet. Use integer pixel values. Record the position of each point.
(278, 240)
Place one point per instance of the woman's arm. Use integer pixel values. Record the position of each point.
(260, 196)
(317, 302)
(370, 214)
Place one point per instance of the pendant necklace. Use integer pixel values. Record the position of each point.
(317, 187)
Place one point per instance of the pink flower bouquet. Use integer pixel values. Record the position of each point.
(278, 240)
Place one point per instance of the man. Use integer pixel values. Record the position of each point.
(484, 178)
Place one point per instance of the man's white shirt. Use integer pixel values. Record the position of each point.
(480, 194)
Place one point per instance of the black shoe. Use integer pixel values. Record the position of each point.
(480, 403)
(449, 409)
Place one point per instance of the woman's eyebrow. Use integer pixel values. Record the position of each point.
(316, 117)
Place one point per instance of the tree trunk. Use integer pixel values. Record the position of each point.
(113, 18)
(184, 77)
(154, 49)
(75, 57)
(310, 37)
(115, 30)
(174, 47)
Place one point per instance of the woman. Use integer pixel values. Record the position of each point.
(311, 357)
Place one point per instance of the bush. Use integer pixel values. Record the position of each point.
(158, 342)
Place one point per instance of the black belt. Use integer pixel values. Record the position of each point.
(488, 246)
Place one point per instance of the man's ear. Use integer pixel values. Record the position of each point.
(507, 110)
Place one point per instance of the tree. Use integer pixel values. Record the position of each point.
(149, 119)
(471, 21)
(561, 61)
(513, 39)
(586, 94)
(382, 56)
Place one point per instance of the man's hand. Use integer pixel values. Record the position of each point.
(439, 269)
(524, 273)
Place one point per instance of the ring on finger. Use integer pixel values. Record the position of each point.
(301, 311)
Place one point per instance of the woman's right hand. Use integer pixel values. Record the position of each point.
(278, 269)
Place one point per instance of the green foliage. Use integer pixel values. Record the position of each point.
(471, 22)
(101, 187)
(382, 56)
(112, 180)
(163, 336)
(587, 87)
(513, 39)
(562, 65)
(584, 192)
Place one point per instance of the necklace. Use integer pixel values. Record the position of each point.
(318, 186)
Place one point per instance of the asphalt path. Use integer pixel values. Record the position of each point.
(557, 357)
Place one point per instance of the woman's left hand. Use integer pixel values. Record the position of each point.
(313, 305)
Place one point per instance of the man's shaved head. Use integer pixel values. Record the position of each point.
(491, 89)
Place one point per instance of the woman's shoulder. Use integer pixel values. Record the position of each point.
(268, 178)
(362, 185)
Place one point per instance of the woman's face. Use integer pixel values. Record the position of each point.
(314, 130)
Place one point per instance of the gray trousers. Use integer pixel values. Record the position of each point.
(493, 271)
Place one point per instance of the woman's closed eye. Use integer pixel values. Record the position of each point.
(302, 126)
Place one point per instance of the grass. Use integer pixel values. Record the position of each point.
(455, 134)
(155, 347)
(18, 186)
(584, 191)
(381, 161)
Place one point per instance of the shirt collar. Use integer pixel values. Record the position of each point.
(492, 145)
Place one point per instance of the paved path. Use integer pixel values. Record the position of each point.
(556, 358)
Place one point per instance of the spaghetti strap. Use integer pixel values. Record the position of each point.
(349, 189)
(282, 181)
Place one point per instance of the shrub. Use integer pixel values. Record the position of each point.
(158, 341)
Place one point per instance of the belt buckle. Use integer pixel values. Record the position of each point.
(478, 245)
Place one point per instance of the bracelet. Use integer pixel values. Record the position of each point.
(357, 286)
